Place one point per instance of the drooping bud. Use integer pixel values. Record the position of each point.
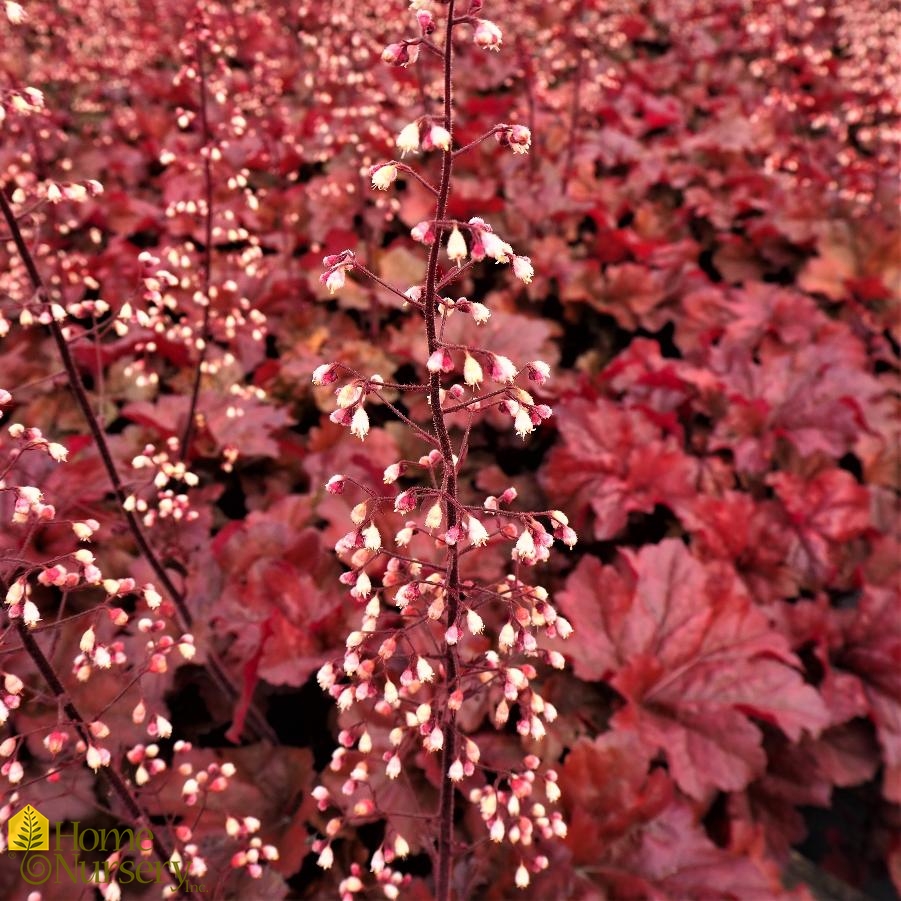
(439, 137)
(400, 54)
(478, 534)
(335, 485)
(456, 246)
(472, 371)
(487, 35)
(324, 374)
(501, 368)
(522, 269)
(408, 139)
(359, 424)
(383, 176)
(426, 21)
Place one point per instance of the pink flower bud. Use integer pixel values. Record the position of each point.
(325, 374)
(487, 35)
(337, 258)
(517, 137)
(400, 54)
(341, 416)
(438, 136)
(539, 371)
(426, 21)
(424, 232)
(440, 361)
(501, 368)
(405, 501)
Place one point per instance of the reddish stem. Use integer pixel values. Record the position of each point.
(205, 335)
(574, 113)
(445, 856)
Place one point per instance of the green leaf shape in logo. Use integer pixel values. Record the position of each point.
(29, 835)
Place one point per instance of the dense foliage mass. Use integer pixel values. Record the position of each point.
(709, 206)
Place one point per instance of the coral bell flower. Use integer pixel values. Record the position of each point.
(456, 246)
(400, 54)
(519, 138)
(408, 139)
(440, 137)
(487, 35)
(383, 176)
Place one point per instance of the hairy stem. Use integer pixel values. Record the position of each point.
(443, 888)
(574, 113)
(205, 336)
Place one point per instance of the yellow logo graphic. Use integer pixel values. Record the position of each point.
(28, 830)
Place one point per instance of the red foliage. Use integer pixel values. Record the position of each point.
(693, 658)
(710, 206)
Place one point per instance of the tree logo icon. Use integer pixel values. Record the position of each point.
(28, 830)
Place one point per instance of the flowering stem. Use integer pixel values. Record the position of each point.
(417, 429)
(117, 784)
(452, 583)
(371, 275)
(205, 335)
(528, 78)
(216, 667)
(402, 167)
(461, 150)
(453, 274)
(574, 113)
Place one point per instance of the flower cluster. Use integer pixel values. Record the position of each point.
(431, 643)
(161, 500)
(112, 639)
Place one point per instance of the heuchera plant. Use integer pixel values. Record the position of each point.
(126, 633)
(435, 639)
(689, 212)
